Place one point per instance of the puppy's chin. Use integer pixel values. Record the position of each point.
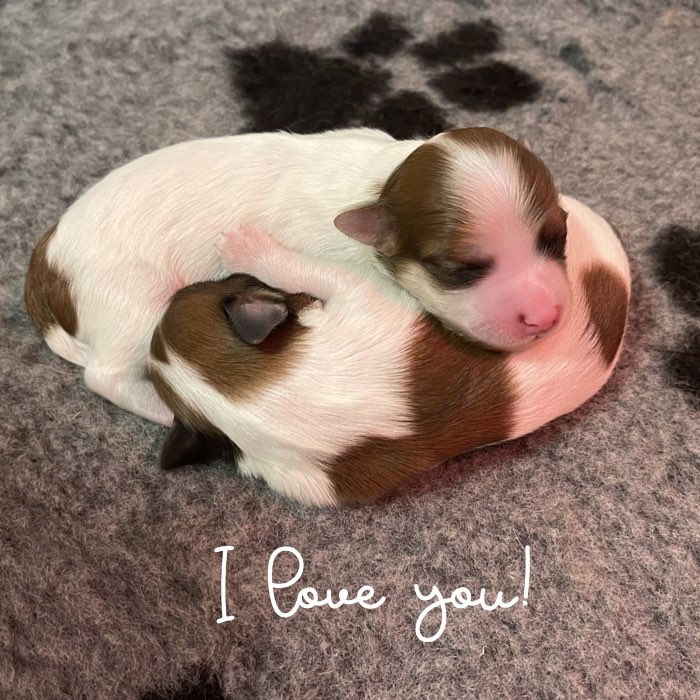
(497, 339)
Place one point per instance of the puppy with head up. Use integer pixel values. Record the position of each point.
(467, 222)
(334, 390)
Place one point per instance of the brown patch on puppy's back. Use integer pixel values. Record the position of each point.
(461, 397)
(608, 300)
(47, 292)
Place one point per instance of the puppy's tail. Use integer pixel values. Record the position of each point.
(50, 304)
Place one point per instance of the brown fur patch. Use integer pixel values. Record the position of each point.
(414, 196)
(196, 328)
(158, 350)
(185, 413)
(551, 239)
(608, 301)
(47, 292)
(461, 397)
(431, 224)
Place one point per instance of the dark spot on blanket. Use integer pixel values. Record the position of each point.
(683, 365)
(285, 87)
(492, 86)
(288, 87)
(466, 42)
(408, 114)
(573, 54)
(677, 265)
(381, 35)
(201, 684)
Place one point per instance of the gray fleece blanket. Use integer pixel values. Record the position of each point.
(110, 585)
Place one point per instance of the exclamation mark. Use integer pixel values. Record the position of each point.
(526, 587)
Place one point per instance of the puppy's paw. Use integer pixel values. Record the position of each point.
(245, 249)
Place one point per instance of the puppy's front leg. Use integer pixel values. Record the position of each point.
(256, 253)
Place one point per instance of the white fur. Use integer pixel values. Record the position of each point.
(347, 384)
(566, 368)
(350, 380)
(522, 284)
(148, 229)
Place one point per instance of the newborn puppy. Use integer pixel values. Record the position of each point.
(468, 222)
(234, 316)
(346, 401)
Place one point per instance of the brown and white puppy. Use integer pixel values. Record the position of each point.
(468, 222)
(345, 401)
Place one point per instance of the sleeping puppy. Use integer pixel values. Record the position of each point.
(468, 222)
(345, 400)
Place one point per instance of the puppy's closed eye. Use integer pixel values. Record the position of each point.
(457, 275)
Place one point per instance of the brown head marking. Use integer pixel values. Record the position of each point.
(414, 197)
(433, 223)
(197, 328)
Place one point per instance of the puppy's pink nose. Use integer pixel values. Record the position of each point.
(541, 319)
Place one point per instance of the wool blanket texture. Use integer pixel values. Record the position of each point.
(110, 585)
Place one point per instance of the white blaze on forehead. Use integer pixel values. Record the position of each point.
(490, 187)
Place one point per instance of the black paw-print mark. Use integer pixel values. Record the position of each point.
(290, 87)
(684, 364)
(491, 85)
(677, 254)
(201, 684)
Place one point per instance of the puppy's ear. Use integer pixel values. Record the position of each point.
(184, 446)
(372, 225)
(255, 319)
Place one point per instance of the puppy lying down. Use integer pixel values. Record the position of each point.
(468, 221)
(332, 392)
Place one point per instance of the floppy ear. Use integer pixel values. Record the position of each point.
(372, 225)
(184, 446)
(254, 320)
